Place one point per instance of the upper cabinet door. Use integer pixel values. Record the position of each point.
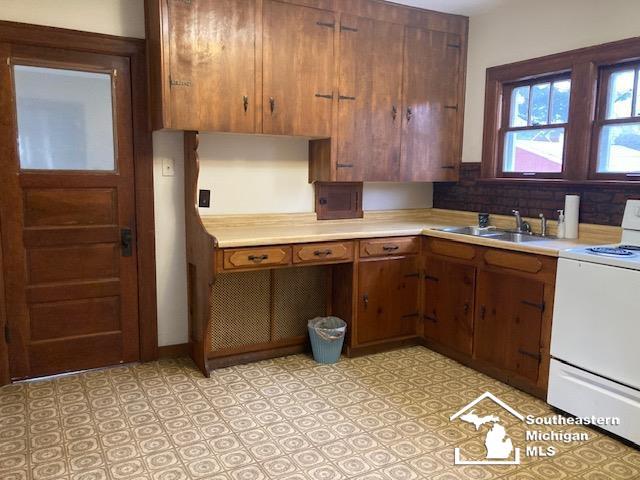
(369, 102)
(432, 125)
(212, 65)
(298, 70)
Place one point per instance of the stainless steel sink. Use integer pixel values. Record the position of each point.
(495, 234)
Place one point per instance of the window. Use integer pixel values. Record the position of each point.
(617, 131)
(533, 138)
(567, 117)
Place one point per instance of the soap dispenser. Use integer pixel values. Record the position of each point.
(562, 227)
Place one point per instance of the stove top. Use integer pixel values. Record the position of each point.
(621, 251)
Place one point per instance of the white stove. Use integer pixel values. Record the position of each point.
(625, 254)
(595, 365)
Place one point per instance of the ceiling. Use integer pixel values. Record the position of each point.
(462, 7)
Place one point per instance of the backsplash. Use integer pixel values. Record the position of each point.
(598, 204)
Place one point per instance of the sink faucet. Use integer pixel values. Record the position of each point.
(543, 225)
(521, 225)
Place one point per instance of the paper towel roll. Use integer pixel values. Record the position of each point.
(571, 215)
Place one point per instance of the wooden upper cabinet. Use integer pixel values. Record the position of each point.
(298, 70)
(211, 84)
(432, 106)
(369, 101)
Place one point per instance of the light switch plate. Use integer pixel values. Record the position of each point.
(168, 167)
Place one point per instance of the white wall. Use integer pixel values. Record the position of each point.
(524, 29)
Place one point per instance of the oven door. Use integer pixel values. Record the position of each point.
(596, 320)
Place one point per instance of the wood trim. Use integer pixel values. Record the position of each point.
(4, 350)
(134, 49)
(580, 145)
(174, 351)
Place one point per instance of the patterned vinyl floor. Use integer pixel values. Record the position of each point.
(381, 417)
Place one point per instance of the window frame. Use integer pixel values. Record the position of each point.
(600, 120)
(584, 67)
(505, 128)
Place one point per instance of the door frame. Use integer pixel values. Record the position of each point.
(135, 50)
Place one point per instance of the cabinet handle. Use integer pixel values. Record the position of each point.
(431, 278)
(258, 258)
(409, 114)
(394, 112)
(323, 253)
(539, 306)
(325, 95)
(430, 318)
(245, 103)
(535, 356)
(390, 248)
(365, 298)
(272, 104)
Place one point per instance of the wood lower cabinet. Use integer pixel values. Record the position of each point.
(432, 106)
(449, 291)
(209, 81)
(387, 307)
(508, 325)
(298, 70)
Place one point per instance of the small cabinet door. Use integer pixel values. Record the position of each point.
(432, 107)
(212, 65)
(449, 290)
(298, 70)
(387, 299)
(508, 323)
(370, 85)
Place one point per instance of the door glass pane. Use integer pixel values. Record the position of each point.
(540, 103)
(65, 119)
(620, 95)
(528, 151)
(560, 95)
(519, 107)
(619, 150)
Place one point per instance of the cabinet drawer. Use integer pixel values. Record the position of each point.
(323, 252)
(256, 257)
(513, 261)
(382, 247)
(452, 249)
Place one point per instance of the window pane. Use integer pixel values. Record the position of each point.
(534, 151)
(560, 95)
(519, 107)
(620, 94)
(619, 150)
(540, 104)
(68, 124)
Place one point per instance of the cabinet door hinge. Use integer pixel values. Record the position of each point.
(539, 306)
(179, 83)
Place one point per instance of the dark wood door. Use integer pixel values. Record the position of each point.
(508, 323)
(212, 65)
(449, 292)
(387, 299)
(298, 70)
(67, 210)
(370, 91)
(432, 106)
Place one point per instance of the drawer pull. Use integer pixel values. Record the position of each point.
(410, 315)
(258, 258)
(431, 278)
(323, 253)
(390, 248)
(430, 318)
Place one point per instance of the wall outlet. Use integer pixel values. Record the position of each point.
(204, 198)
(168, 167)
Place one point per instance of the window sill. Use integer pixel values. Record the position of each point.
(559, 182)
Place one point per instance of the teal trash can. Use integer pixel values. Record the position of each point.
(327, 337)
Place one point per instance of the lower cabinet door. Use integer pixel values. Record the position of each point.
(449, 292)
(508, 323)
(387, 299)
